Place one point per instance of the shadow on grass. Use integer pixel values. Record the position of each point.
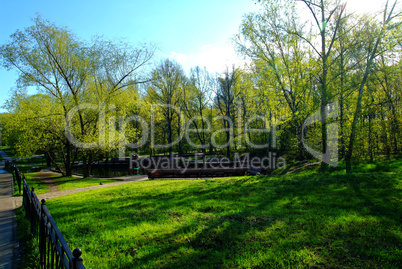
(309, 220)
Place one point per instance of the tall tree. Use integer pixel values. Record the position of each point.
(166, 92)
(73, 73)
(370, 46)
(226, 98)
(197, 94)
(270, 39)
(327, 17)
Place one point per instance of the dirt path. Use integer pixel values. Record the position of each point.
(46, 177)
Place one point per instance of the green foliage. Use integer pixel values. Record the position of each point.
(72, 76)
(297, 67)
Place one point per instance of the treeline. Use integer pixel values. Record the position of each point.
(326, 86)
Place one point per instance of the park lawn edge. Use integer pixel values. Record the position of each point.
(183, 223)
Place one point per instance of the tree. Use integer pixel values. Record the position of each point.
(370, 45)
(226, 97)
(73, 74)
(197, 97)
(166, 92)
(327, 18)
(270, 38)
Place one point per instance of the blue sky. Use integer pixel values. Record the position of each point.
(191, 32)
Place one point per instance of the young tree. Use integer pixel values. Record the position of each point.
(371, 42)
(166, 92)
(197, 96)
(226, 98)
(73, 74)
(327, 18)
(280, 58)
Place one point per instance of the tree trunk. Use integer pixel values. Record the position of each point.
(228, 144)
(169, 134)
(341, 105)
(349, 154)
(86, 167)
(48, 159)
(53, 161)
(180, 149)
(323, 104)
(370, 146)
(384, 135)
(67, 160)
(300, 147)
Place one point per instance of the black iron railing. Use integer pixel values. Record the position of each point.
(16, 173)
(53, 248)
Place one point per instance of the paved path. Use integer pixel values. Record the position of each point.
(5, 157)
(8, 237)
(49, 195)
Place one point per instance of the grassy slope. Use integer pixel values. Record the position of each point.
(62, 183)
(297, 221)
(68, 183)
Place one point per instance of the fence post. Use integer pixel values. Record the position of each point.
(25, 200)
(13, 172)
(77, 258)
(18, 178)
(42, 236)
(32, 212)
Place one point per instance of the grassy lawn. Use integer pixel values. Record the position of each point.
(32, 181)
(68, 183)
(300, 220)
(62, 183)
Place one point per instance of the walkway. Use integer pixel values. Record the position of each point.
(8, 236)
(49, 195)
(17, 200)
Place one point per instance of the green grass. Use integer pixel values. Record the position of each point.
(29, 247)
(38, 184)
(300, 220)
(62, 183)
(68, 183)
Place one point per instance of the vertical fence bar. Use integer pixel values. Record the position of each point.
(18, 175)
(53, 248)
(25, 198)
(42, 236)
(32, 212)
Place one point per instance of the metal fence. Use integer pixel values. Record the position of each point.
(53, 248)
(16, 174)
